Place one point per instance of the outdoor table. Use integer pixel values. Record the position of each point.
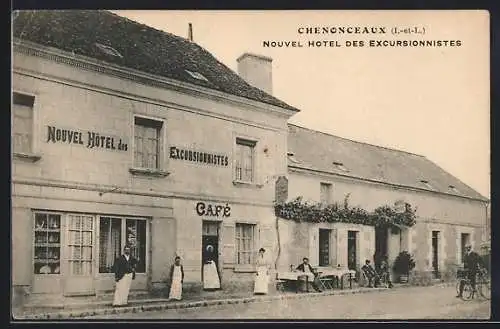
(338, 274)
(294, 276)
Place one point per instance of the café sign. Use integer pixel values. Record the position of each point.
(213, 210)
(90, 139)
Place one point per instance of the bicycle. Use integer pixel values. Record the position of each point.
(483, 285)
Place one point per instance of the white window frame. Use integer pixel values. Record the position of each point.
(256, 160)
(123, 239)
(162, 158)
(68, 258)
(62, 241)
(33, 155)
(236, 245)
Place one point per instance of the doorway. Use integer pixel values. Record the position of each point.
(324, 247)
(381, 245)
(352, 246)
(435, 254)
(210, 244)
(80, 255)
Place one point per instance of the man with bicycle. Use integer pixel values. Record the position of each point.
(472, 260)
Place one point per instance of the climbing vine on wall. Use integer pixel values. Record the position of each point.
(315, 212)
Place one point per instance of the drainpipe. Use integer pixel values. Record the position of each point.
(279, 243)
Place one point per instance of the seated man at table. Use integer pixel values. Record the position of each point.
(370, 274)
(307, 268)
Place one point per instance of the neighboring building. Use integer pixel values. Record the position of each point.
(326, 169)
(126, 134)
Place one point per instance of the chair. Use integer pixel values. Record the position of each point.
(326, 282)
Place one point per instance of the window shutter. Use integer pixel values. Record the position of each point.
(267, 238)
(313, 245)
(333, 247)
(228, 244)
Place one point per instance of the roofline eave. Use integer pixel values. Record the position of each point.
(412, 188)
(109, 68)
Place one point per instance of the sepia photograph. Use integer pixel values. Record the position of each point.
(270, 165)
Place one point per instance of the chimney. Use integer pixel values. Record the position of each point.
(257, 71)
(190, 32)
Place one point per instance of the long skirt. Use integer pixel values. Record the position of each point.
(210, 276)
(176, 286)
(122, 289)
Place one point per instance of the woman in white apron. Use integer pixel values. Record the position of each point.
(211, 279)
(176, 279)
(262, 276)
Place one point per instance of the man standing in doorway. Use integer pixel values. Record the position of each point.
(124, 269)
(471, 264)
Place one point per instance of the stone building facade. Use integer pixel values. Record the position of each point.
(106, 155)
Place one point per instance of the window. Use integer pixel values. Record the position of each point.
(324, 247)
(464, 240)
(453, 189)
(325, 193)
(426, 184)
(245, 250)
(80, 244)
(196, 75)
(47, 244)
(114, 234)
(147, 143)
(340, 166)
(291, 157)
(22, 123)
(108, 50)
(109, 243)
(245, 160)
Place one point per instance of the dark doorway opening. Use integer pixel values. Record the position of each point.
(352, 254)
(381, 245)
(435, 254)
(324, 247)
(210, 244)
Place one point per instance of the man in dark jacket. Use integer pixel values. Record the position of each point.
(370, 273)
(471, 264)
(124, 268)
(306, 267)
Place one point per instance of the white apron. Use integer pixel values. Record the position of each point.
(176, 287)
(261, 280)
(210, 276)
(122, 289)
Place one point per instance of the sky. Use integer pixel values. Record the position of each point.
(432, 101)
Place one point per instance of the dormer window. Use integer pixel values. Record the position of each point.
(453, 189)
(291, 157)
(426, 184)
(108, 50)
(196, 75)
(340, 166)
